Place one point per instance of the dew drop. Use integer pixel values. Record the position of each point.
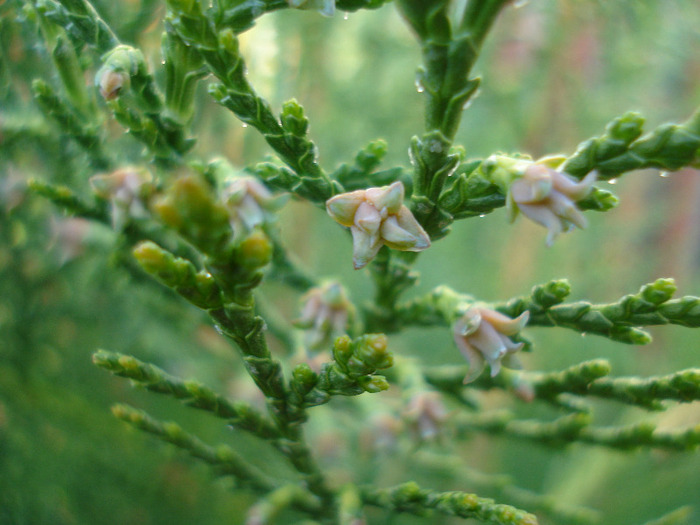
(482, 215)
(244, 125)
(419, 83)
(612, 181)
(664, 174)
(346, 16)
(583, 334)
(435, 147)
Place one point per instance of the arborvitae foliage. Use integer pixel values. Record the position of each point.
(137, 158)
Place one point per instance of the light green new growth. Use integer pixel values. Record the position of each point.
(410, 498)
(587, 379)
(619, 321)
(223, 458)
(576, 428)
(239, 414)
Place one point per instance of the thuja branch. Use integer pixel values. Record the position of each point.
(619, 321)
(238, 414)
(81, 21)
(576, 428)
(652, 305)
(585, 379)
(352, 372)
(503, 488)
(410, 498)
(218, 46)
(86, 135)
(273, 503)
(66, 199)
(233, 269)
(224, 459)
(449, 53)
(622, 148)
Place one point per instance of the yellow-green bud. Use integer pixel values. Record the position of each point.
(256, 250)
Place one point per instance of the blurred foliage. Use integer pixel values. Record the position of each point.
(553, 73)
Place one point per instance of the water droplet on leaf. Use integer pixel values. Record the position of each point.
(419, 83)
(346, 16)
(664, 174)
(612, 181)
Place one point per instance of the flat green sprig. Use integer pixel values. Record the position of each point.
(619, 321)
(410, 498)
(587, 379)
(577, 428)
(352, 371)
(238, 414)
(623, 148)
(223, 458)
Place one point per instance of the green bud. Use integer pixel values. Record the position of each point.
(190, 207)
(199, 392)
(120, 411)
(342, 349)
(173, 431)
(293, 119)
(595, 369)
(255, 251)
(206, 285)
(150, 256)
(128, 363)
(599, 200)
(224, 453)
(551, 293)
(659, 292)
(632, 336)
(407, 493)
(304, 377)
(627, 128)
(374, 384)
(369, 157)
(356, 367)
(229, 41)
(371, 349)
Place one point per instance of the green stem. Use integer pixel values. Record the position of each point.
(223, 458)
(410, 498)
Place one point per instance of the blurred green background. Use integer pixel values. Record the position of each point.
(554, 73)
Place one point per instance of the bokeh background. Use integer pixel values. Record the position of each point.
(554, 73)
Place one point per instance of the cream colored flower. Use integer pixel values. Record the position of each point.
(249, 203)
(325, 7)
(425, 414)
(483, 336)
(377, 217)
(325, 315)
(549, 198)
(125, 189)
